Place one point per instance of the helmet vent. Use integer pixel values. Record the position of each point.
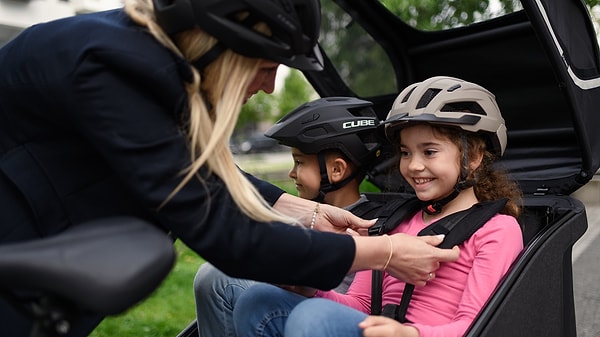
(470, 107)
(427, 97)
(362, 112)
(405, 99)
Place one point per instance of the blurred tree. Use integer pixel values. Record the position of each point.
(348, 47)
(296, 91)
(264, 107)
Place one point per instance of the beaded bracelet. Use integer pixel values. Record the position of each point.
(314, 216)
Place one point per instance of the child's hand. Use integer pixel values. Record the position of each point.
(381, 326)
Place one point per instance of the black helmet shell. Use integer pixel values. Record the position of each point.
(294, 26)
(344, 123)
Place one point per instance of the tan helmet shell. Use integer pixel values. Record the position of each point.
(449, 101)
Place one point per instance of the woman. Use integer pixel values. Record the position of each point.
(129, 112)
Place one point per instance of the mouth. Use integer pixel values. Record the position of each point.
(421, 181)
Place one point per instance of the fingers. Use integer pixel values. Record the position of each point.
(362, 223)
(433, 240)
(373, 321)
(352, 232)
(415, 260)
(443, 255)
(448, 255)
(380, 326)
(334, 217)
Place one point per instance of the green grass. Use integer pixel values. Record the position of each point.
(167, 311)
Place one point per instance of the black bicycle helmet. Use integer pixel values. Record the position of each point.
(294, 26)
(346, 124)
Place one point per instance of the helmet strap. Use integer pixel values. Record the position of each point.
(209, 56)
(463, 181)
(326, 186)
(435, 207)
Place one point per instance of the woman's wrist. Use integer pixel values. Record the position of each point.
(296, 207)
(371, 252)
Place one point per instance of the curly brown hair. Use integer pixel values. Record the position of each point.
(489, 182)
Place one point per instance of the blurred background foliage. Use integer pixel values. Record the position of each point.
(346, 46)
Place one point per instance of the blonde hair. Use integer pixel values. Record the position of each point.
(214, 105)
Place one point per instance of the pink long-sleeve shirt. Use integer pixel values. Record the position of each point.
(447, 305)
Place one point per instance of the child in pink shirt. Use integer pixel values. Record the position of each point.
(448, 133)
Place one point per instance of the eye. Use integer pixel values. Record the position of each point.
(268, 70)
(404, 153)
(429, 152)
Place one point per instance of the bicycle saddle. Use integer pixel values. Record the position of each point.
(104, 266)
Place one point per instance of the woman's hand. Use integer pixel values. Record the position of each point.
(415, 258)
(334, 219)
(409, 258)
(327, 218)
(380, 326)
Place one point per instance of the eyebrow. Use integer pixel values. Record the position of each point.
(422, 144)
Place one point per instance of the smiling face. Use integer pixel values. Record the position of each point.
(429, 161)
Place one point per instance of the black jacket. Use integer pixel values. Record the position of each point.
(90, 108)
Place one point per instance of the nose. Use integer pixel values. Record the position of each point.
(268, 82)
(292, 173)
(414, 164)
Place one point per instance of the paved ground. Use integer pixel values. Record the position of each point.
(586, 276)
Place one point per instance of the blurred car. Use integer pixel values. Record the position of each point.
(258, 143)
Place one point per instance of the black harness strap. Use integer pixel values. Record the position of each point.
(394, 212)
(367, 210)
(470, 221)
(388, 217)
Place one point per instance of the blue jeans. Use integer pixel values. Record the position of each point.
(268, 311)
(216, 295)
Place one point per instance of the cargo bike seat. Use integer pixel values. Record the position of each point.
(94, 269)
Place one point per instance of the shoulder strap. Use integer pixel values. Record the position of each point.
(470, 221)
(392, 213)
(389, 216)
(367, 209)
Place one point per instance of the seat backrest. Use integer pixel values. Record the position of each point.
(535, 298)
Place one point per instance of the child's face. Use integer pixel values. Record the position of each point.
(305, 174)
(429, 162)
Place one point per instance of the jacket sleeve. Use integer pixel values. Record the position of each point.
(126, 102)
(269, 191)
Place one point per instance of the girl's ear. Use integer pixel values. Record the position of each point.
(476, 160)
(338, 169)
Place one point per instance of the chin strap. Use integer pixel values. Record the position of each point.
(326, 186)
(435, 206)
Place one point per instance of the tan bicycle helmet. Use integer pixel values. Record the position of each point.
(449, 101)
